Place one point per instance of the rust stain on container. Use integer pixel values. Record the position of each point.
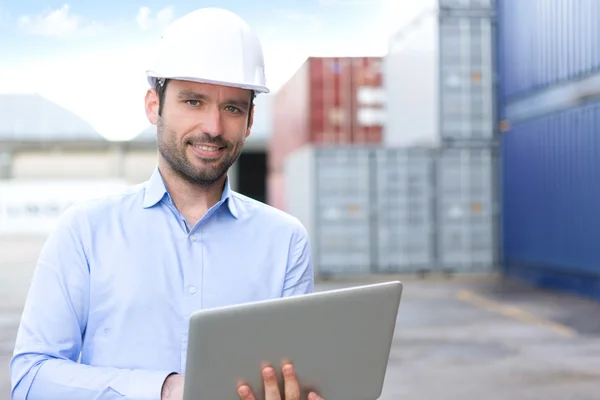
(353, 208)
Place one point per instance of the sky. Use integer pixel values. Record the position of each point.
(89, 56)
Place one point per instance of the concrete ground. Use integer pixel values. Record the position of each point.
(482, 338)
(459, 338)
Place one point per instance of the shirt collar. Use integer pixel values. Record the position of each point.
(156, 190)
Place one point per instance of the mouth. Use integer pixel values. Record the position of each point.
(207, 151)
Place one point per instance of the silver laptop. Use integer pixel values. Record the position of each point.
(338, 340)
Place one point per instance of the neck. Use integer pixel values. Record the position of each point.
(192, 200)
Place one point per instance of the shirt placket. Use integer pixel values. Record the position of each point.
(191, 284)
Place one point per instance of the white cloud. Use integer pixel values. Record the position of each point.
(312, 23)
(143, 17)
(165, 16)
(146, 21)
(60, 22)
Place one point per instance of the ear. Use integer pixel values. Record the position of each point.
(250, 121)
(151, 106)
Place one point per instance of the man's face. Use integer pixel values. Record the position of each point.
(202, 128)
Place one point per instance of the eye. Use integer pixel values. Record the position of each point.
(233, 109)
(192, 103)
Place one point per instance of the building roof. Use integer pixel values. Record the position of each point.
(147, 135)
(31, 117)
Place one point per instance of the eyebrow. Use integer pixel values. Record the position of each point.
(191, 95)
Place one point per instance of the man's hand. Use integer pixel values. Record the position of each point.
(173, 388)
(272, 391)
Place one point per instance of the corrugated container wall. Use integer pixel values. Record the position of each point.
(466, 3)
(329, 191)
(546, 42)
(291, 121)
(550, 53)
(336, 100)
(466, 73)
(404, 209)
(373, 210)
(466, 209)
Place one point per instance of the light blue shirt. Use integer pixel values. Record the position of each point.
(117, 280)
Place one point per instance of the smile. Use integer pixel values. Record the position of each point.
(207, 148)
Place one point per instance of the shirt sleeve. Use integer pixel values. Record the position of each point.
(48, 344)
(300, 273)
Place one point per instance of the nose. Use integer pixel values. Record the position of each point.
(212, 124)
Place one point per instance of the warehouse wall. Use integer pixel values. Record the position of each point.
(133, 165)
(64, 164)
(138, 165)
(550, 111)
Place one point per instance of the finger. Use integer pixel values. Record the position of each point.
(290, 381)
(314, 396)
(271, 385)
(245, 393)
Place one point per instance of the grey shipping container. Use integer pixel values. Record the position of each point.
(466, 108)
(470, 4)
(394, 210)
(466, 209)
(404, 214)
(329, 190)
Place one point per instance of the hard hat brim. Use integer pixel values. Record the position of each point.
(256, 88)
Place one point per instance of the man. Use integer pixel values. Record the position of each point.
(116, 282)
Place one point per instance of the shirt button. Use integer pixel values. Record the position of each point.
(193, 238)
(192, 289)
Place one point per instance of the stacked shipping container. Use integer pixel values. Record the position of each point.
(543, 43)
(466, 216)
(466, 209)
(466, 73)
(549, 103)
(373, 210)
(337, 100)
(329, 190)
(404, 209)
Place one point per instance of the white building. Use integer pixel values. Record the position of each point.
(50, 157)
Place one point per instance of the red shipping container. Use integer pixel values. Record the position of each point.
(276, 190)
(331, 100)
(367, 101)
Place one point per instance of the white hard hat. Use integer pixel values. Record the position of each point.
(210, 45)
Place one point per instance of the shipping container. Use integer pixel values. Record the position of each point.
(470, 4)
(550, 114)
(543, 43)
(404, 213)
(466, 209)
(395, 210)
(276, 189)
(466, 74)
(329, 190)
(331, 100)
(410, 80)
(439, 76)
(551, 186)
(291, 118)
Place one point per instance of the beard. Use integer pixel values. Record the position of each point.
(176, 156)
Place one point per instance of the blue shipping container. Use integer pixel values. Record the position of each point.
(546, 42)
(548, 61)
(551, 200)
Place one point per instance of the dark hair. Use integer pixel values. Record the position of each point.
(161, 87)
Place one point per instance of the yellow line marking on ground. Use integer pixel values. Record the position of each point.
(514, 312)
